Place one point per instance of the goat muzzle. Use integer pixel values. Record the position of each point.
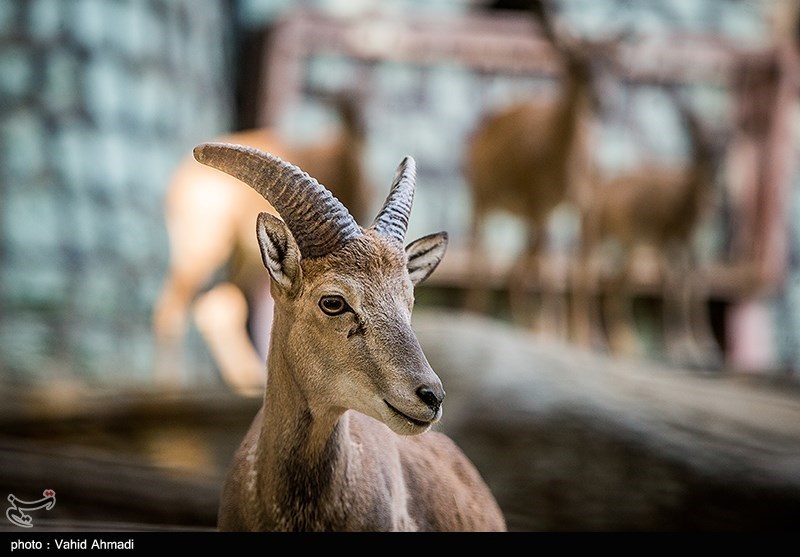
(431, 397)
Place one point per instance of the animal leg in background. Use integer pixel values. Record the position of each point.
(221, 315)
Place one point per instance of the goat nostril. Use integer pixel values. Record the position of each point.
(430, 398)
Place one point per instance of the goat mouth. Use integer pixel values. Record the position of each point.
(414, 421)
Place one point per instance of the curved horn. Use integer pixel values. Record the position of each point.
(318, 221)
(392, 220)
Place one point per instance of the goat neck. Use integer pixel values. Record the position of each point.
(338, 444)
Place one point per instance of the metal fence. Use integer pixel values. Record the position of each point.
(99, 100)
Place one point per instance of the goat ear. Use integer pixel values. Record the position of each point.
(424, 255)
(279, 251)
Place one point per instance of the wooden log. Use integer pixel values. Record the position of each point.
(120, 460)
(95, 490)
(573, 440)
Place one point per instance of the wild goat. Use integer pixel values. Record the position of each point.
(346, 373)
(531, 157)
(659, 207)
(206, 212)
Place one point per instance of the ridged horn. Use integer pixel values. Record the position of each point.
(392, 220)
(318, 221)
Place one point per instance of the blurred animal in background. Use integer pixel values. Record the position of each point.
(529, 158)
(655, 207)
(215, 270)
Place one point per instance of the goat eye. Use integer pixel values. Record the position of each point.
(333, 305)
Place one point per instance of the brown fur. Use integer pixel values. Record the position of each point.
(456, 501)
(660, 207)
(326, 452)
(529, 158)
